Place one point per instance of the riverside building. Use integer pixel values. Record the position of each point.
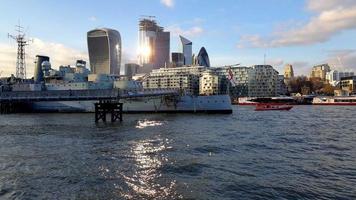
(186, 79)
(334, 76)
(240, 78)
(209, 83)
(348, 84)
(262, 81)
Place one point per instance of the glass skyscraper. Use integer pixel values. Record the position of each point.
(203, 58)
(154, 45)
(104, 47)
(187, 50)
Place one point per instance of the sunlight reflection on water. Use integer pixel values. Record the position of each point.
(146, 179)
(141, 124)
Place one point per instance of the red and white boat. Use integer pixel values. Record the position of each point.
(252, 101)
(272, 106)
(335, 101)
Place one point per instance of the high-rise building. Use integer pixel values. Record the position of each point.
(104, 47)
(187, 50)
(131, 69)
(154, 45)
(288, 71)
(203, 58)
(239, 77)
(319, 71)
(262, 81)
(282, 88)
(177, 59)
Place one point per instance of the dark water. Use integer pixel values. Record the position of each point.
(307, 153)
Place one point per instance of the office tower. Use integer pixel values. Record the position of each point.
(131, 69)
(154, 45)
(104, 47)
(177, 59)
(187, 50)
(203, 58)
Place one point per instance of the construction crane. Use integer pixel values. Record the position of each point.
(232, 65)
(151, 17)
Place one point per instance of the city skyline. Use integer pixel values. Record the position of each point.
(233, 32)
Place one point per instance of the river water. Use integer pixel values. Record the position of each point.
(306, 153)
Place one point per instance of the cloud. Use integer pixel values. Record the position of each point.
(344, 59)
(275, 62)
(59, 55)
(301, 68)
(331, 18)
(168, 3)
(93, 19)
(322, 5)
(194, 31)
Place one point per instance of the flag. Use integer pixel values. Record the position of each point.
(230, 76)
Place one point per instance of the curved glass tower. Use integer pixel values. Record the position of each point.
(203, 58)
(104, 47)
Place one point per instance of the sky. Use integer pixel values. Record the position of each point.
(298, 32)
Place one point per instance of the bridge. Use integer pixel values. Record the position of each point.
(107, 100)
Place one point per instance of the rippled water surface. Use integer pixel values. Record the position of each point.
(306, 153)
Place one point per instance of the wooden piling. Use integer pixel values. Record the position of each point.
(108, 107)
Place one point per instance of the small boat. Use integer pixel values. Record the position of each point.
(272, 106)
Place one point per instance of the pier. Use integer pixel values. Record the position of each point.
(114, 108)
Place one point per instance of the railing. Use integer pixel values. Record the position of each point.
(69, 95)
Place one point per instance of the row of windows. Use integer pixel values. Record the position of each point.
(346, 100)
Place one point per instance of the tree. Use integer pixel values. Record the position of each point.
(328, 89)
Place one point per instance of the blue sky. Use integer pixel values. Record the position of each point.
(299, 32)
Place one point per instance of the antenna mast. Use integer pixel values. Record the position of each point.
(21, 54)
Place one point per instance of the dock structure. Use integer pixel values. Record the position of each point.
(102, 108)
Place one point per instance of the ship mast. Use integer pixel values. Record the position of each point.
(21, 54)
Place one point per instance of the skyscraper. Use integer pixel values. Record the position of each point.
(203, 58)
(104, 47)
(154, 45)
(177, 59)
(187, 50)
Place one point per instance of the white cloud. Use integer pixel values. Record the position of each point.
(168, 3)
(93, 19)
(59, 55)
(276, 62)
(344, 59)
(322, 5)
(331, 18)
(191, 32)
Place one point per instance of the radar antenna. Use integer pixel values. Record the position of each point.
(21, 54)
